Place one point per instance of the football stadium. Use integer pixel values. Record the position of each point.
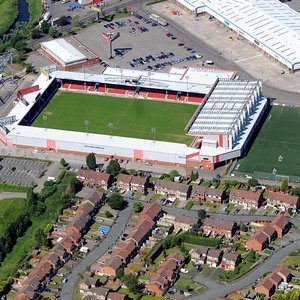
(192, 117)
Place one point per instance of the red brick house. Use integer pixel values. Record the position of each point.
(215, 227)
(230, 261)
(95, 179)
(214, 195)
(198, 192)
(79, 224)
(173, 190)
(124, 182)
(107, 266)
(141, 231)
(152, 211)
(258, 242)
(284, 273)
(198, 255)
(265, 286)
(281, 224)
(283, 201)
(139, 184)
(247, 199)
(126, 251)
(213, 257)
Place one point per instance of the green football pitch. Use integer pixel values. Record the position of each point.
(277, 146)
(129, 117)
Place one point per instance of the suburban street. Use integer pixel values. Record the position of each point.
(215, 290)
(69, 289)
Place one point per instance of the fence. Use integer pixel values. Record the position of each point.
(267, 176)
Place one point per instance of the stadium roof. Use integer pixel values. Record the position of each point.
(224, 107)
(64, 51)
(268, 22)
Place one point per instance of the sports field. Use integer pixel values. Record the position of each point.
(130, 117)
(277, 145)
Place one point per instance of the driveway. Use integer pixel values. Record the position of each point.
(68, 289)
(216, 290)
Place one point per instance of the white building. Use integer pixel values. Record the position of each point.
(271, 25)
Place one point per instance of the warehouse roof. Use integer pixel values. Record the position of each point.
(268, 22)
(64, 51)
(224, 106)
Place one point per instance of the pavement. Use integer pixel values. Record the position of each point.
(8, 195)
(216, 290)
(69, 289)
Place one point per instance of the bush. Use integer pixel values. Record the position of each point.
(108, 214)
(115, 201)
(91, 161)
(198, 240)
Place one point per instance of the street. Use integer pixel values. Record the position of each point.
(69, 288)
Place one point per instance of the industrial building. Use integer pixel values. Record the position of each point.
(69, 54)
(222, 125)
(270, 25)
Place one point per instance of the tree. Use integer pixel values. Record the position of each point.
(132, 172)
(137, 206)
(35, 33)
(284, 185)
(244, 227)
(75, 21)
(290, 211)
(41, 238)
(296, 191)
(164, 253)
(21, 46)
(45, 27)
(194, 176)
(63, 162)
(115, 201)
(174, 173)
(30, 69)
(48, 228)
(108, 214)
(53, 32)
(120, 273)
(91, 161)
(252, 256)
(62, 21)
(113, 167)
(132, 282)
(253, 182)
(201, 214)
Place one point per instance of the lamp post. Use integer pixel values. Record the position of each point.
(45, 121)
(110, 126)
(153, 131)
(86, 124)
(187, 86)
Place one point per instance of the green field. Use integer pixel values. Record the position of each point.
(130, 117)
(8, 14)
(277, 145)
(35, 9)
(10, 209)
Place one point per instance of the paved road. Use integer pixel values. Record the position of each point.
(7, 195)
(219, 216)
(68, 289)
(215, 290)
(194, 42)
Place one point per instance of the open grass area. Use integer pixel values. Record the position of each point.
(277, 145)
(10, 209)
(14, 188)
(130, 117)
(293, 261)
(35, 9)
(8, 14)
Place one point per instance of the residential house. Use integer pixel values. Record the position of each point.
(265, 286)
(54, 260)
(230, 261)
(126, 251)
(213, 257)
(198, 255)
(173, 190)
(152, 211)
(90, 282)
(61, 252)
(284, 273)
(281, 224)
(198, 192)
(283, 201)
(124, 182)
(79, 224)
(141, 231)
(214, 195)
(87, 208)
(185, 223)
(270, 232)
(139, 184)
(116, 296)
(96, 179)
(96, 198)
(107, 266)
(258, 242)
(247, 199)
(215, 227)
(68, 244)
(43, 271)
(99, 293)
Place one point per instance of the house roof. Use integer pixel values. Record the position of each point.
(245, 195)
(200, 250)
(101, 291)
(116, 296)
(280, 221)
(268, 230)
(52, 258)
(124, 178)
(114, 263)
(86, 207)
(224, 225)
(175, 256)
(282, 271)
(260, 237)
(80, 221)
(140, 230)
(152, 210)
(214, 192)
(125, 250)
(139, 180)
(266, 283)
(93, 175)
(173, 186)
(186, 220)
(95, 196)
(91, 281)
(40, 270)
(285, 198)
(274, 277)
(199, 190)
(231, 256)
(214, 253)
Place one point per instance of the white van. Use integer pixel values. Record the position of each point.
(209, 62)
(47, 16)
(65, 1)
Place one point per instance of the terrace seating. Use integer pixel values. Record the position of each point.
(143, 92)
(195, 99)
(121, 91)
(172, 96)
(76, 86)
(101, 89)
(66, 85)
(156, 95)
